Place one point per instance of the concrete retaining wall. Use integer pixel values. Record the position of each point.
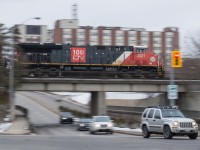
(160, 100)
(189, 101)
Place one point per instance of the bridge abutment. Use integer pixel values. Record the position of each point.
(189, 101)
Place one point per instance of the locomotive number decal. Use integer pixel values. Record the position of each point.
(78, 54)
(140, 55)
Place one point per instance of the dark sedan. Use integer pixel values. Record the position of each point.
(66, 117)
(83, 124)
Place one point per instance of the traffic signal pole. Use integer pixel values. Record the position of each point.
(172, 72)
(176, 62)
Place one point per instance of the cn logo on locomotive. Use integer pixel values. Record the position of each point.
(78, 54)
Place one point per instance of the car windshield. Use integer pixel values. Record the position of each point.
(102, 119)
(85, 120)
(166, 113)
(66, 114)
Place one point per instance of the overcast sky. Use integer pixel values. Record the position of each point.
(153, 15)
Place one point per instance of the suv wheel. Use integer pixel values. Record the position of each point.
(193, 136)
(167, 132)
(145, 132)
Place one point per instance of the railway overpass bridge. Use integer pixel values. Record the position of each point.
(189, 90)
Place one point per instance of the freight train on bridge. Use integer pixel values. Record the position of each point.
(65, 60)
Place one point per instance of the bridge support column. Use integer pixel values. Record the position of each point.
(98, 103)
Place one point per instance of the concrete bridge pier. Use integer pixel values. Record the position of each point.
(98, 103)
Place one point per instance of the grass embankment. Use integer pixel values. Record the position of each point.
(4, 98)
(3, 104)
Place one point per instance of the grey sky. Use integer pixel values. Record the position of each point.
(153, 15)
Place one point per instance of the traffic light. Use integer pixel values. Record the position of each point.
(176, 59)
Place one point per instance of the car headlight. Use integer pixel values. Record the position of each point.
(110, 125)
(194, 124)
(97, 125)
(81, 124)
(175, 123)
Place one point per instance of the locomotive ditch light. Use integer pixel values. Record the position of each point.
(176, 60)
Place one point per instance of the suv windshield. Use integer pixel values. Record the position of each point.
(171, 113)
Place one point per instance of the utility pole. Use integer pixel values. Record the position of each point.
(171, 98)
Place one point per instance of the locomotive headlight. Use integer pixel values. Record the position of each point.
(152, 59)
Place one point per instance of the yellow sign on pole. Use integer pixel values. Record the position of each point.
(176, 59)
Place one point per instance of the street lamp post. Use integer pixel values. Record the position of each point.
(36, 18)
(11, 81)
(11, 72)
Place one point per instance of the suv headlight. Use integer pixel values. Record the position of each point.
(194, 124)
(175, 123)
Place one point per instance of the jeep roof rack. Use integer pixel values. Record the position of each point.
(164, 107)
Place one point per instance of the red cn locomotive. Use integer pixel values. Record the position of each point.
(142, 62)
(64, 60)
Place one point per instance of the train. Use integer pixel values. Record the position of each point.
(64, 60)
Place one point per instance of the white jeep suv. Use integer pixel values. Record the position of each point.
(167, 120)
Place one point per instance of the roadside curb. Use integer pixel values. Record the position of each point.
(20, 126)
(128, 132)
(17, 133)
(139, 133)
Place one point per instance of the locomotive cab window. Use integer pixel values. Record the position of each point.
(141, 50)
(28, 57)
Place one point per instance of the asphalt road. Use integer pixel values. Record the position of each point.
(95, 142)
(38, 114)
(65, 136)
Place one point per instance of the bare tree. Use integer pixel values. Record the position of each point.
(9, 38)
(191, 63)
(3, 43)
(192, 44)
(3, 37)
